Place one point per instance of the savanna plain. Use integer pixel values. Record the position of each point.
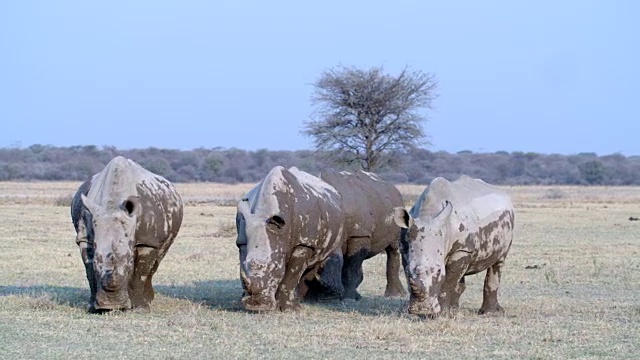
(570, 288)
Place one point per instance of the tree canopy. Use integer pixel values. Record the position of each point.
(364, 115)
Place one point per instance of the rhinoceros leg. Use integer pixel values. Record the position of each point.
(86, 251)
(454, 301)
(357, 251)
(140, 288)
(324, 282)
(453, 285)
(490, 292)
(286, 294)
(394, 286)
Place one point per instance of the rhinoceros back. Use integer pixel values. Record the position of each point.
(368, 204)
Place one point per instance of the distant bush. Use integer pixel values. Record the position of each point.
(218, 200)
(227, 229)
(419, 166)
(554, 194)
(63, 200)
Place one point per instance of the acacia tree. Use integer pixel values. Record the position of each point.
(361, 115)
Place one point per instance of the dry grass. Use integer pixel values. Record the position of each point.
(570, 287)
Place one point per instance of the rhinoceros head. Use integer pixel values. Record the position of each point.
(423, 247)
(263, 266)
(114, 227)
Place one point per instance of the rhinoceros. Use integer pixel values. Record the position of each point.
(289, 223)
(453, 230)
(126, 218)
(368, 204)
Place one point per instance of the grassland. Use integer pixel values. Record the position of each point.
(571, 289)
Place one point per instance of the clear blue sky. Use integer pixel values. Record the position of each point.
(544, 76)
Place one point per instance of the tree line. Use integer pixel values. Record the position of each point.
(416, 166)
(364, 119)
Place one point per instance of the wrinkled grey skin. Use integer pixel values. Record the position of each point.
(126, 218)
(455, 229)
(368, 203)
(289, 223)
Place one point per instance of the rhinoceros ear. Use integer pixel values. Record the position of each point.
(89, 204)
(402, 217)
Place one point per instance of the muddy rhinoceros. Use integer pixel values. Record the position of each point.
(126, 218)
(368, 204)
(455, 229)
(289, 223)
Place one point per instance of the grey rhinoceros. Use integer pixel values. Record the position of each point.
(368, 204)
(289, 223)
(453, 230)
(126, 218)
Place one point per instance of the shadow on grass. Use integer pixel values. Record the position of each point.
(222, 295)
(218, 294)
(225, 295)
(215, 294)
(368, 305)
(61, 295)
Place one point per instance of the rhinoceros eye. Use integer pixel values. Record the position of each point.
(276, 220)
